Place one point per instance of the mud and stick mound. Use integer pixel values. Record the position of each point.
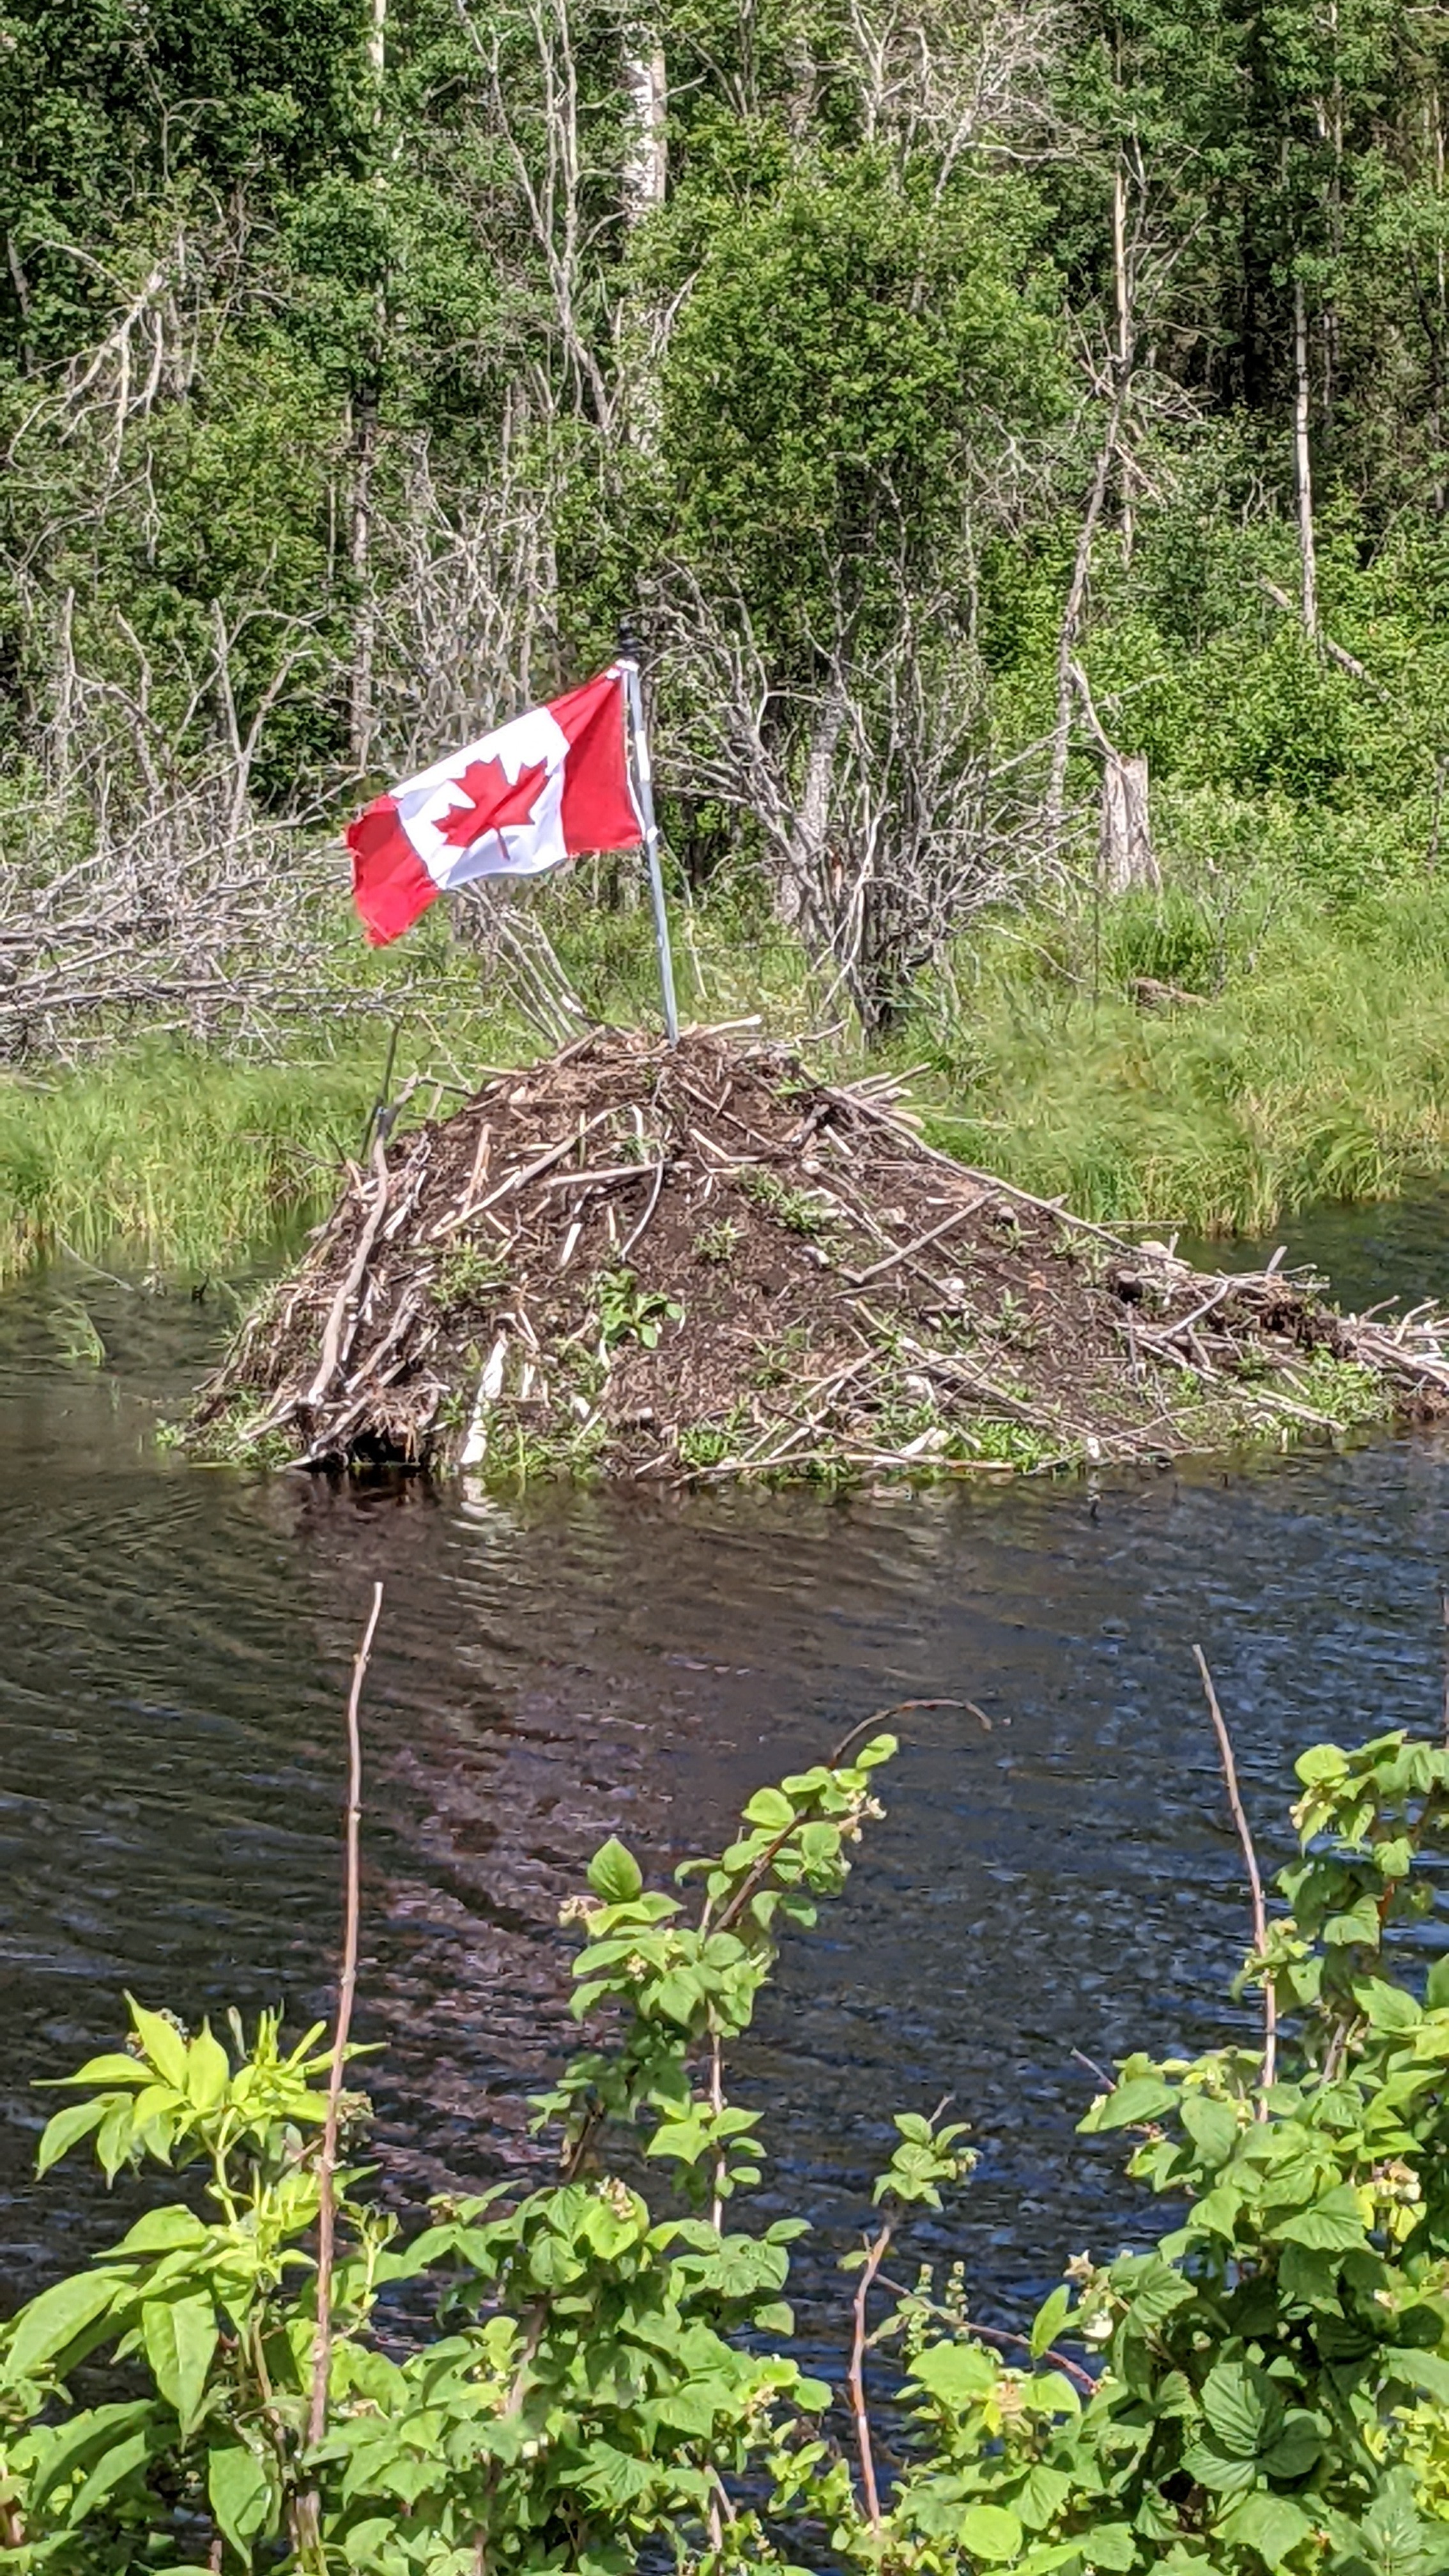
(701, 1263)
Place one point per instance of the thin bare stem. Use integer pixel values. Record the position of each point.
(1255, 1876)
(875, 2256)
(997, 2334)
(882, 1716)
(347, 1987)
(716, 2097)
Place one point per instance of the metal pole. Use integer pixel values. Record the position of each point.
(644, 795)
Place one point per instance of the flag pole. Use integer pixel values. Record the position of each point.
(644, 798)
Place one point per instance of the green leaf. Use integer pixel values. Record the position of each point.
(208, 2071)
(162, 2230)
(881, 1748)
(771, 1809)
(1270, 2524)
(113, 2138)
(1049, 2320)
(1211, 2127)
(180, 2337)
(1297, 2448)
(240, 2492)
(1331, 2225)
(162, 2043)
(1321, 1762)
(1436, 1993)
(1220, 2472)
(56, 2318)
(106, 2476)
(679, 1995)
(113, 2068)
(954, 2372)
(75, 2444)
(1109, 2545)
(614, 1873)
(1144, 2098)
(62, 2132)
(776, 2317)
(1243, 2408)
(1041, 2495)
(1426, 2370)
(989, 2532)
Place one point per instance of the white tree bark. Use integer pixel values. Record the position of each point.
(1125, 855)
(1303, 463)
(646, 168)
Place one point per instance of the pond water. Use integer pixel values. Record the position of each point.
(176, 1643)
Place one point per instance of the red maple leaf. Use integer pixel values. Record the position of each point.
(490, 801)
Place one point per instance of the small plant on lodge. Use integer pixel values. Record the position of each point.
(1266, 2387)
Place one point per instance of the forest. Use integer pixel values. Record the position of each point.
(1015, 432)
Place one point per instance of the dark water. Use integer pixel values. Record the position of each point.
(175, 1649)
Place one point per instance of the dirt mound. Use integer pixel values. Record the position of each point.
(707, 1263)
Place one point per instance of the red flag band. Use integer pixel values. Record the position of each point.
(547, 787)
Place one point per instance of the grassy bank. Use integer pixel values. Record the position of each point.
(186, 1161)
(1311, 1062)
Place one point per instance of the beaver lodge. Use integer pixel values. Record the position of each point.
(692, 1265)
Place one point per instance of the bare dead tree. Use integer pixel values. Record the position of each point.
(872, 798)
(466, 586)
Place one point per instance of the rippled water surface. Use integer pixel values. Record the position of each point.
(175, 1649)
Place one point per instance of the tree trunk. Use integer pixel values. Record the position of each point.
(1125, 855)
(798, 890)
(1124, 336)
(360, 692)
(646, 151)
(1303, 463)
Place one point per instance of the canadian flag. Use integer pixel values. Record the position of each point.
(546, 787)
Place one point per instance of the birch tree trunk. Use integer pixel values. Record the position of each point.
(1123, 298)
(1303, 462)
(646, 167)
(364, 451)
(359, 554)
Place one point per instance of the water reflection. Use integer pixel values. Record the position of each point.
(176, 1649)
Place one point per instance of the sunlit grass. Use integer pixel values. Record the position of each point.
(1320, 1070)
(185, 1160)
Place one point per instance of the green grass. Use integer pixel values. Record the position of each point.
(1316, 1066)
(186, 1160)
(1319, 1069)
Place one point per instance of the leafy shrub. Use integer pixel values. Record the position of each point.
(1268, 2384)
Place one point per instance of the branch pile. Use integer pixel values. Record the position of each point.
(707, 1264)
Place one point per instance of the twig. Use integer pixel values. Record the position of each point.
(647, 1216)
(907, 1251)
(995, 2334)
(1255, 1878)
(875, 2256)
(346, 1988)
(332, 1345)
(901, 1708)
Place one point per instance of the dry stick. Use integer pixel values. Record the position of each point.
(958, 1216)
(1255, 1879)
(648, 1215)
(856, 2377)
(346, 1987)
(332, 1338)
